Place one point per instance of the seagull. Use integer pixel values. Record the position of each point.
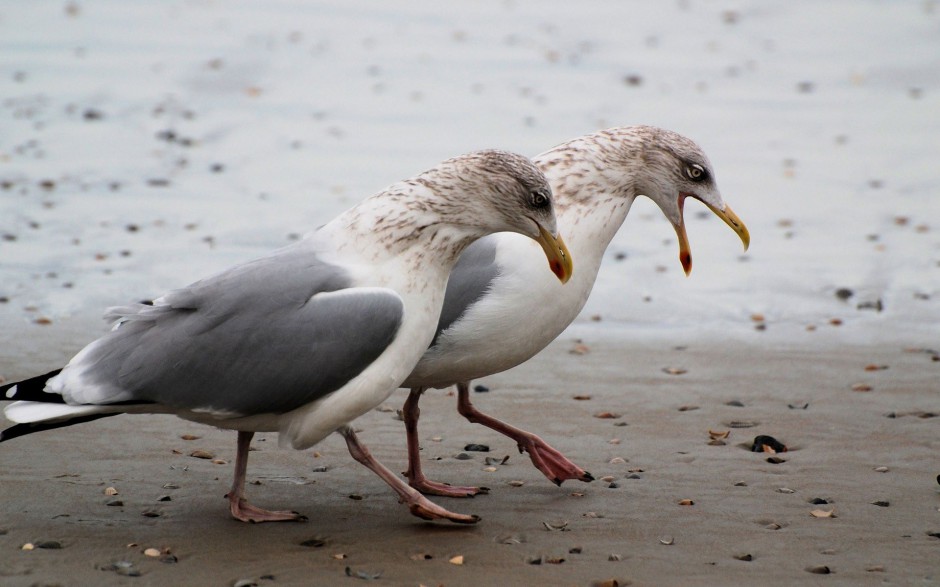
(305, 339)
(499, 312)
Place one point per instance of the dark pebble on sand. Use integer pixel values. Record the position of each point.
(735, 403)
(320, 469)
(881, 503)
(844, 293)
(819, 570)
(744, 557)
(480, 388)
(775, 460)
(49, 544)
(462, 456)
(115, 503)
(91, 114)
(818, 501)
(762, 440)
(315, 542)
(477, 448)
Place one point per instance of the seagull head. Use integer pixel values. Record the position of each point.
(515, 196)
(674, 170)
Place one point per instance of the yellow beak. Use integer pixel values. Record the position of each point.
(559, 259)
(730, 218)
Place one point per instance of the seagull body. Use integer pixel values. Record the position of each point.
(499, 312)
(306, 339)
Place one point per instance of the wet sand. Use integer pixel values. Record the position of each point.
(750, 522)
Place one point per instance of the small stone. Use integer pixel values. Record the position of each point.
(768, 444)
(881, 469)
(202, 454)
(49, 544)
(457, 560)
(744, 557)
(785, 490)
(480, 388)
(477, 448)
(819, 570)
(152, 552)
(686, 502)
(881, 503)
(844, 293)
(462, 456)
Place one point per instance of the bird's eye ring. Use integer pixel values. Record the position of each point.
(539, 198)
(695, 172)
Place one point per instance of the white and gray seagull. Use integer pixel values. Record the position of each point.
(499, 311)
(306, 339)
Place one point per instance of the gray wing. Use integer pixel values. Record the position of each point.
(265, 337)
(471, 278)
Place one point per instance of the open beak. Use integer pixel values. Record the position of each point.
(559, 259)
(730, 218)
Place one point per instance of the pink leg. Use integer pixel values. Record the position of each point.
(238, 505)
(416, 478)
(546, 459)
(418, 504)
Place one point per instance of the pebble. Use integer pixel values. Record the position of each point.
(764, 443)
(747, 557)
(741, 424)
(480, 388)
(477, 448)
(819, 570)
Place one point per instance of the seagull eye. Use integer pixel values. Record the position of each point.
(539, 199)
(696, 172)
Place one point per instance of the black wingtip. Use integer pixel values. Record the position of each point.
(31, 390)
(23, 429)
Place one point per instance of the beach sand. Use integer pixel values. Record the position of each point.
(750, 522)
(146, 145)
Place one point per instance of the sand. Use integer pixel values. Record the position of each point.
(146, 145)
(849, 448)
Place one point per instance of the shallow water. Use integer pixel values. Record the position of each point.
(145, 145)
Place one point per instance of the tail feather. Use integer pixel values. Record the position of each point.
(32, 390)
(24, 429)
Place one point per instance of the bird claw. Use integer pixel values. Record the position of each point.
(245, 512)
(428, 487)
(427, 510)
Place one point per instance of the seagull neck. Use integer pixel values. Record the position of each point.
(590, 222)
(385, 229)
